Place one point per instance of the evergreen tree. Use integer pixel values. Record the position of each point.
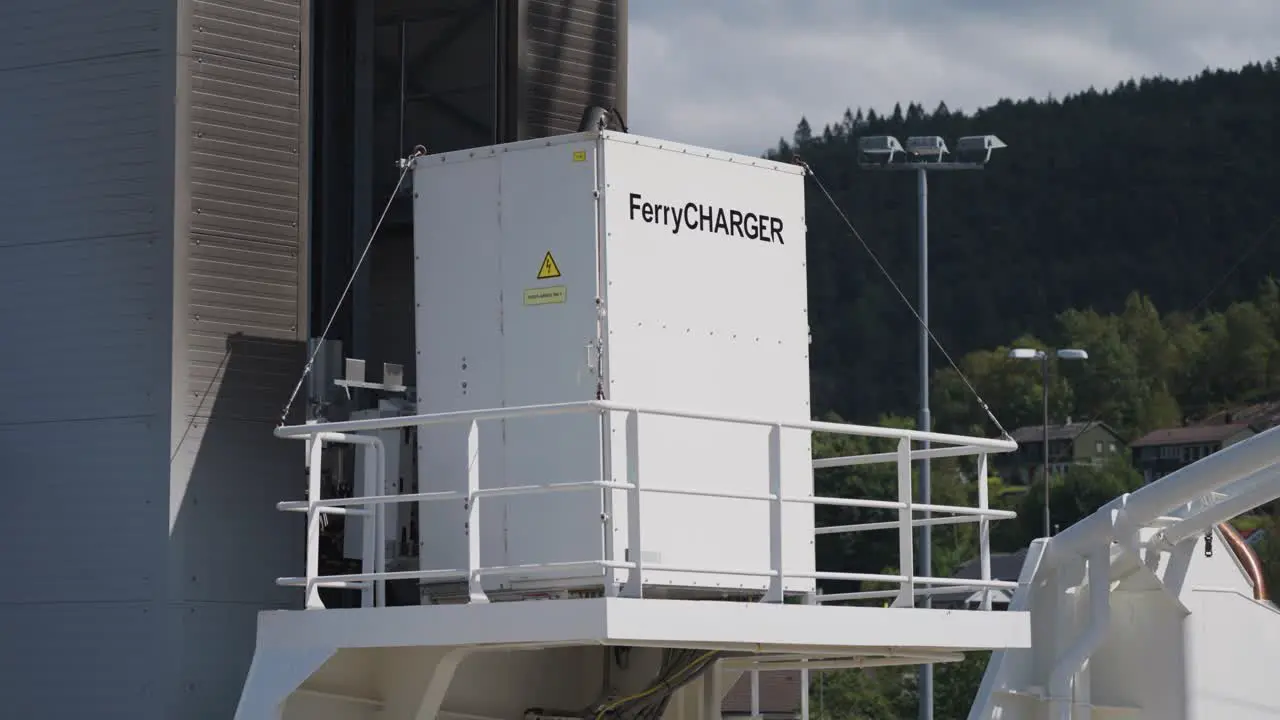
(1103, 226)
(1099, 196)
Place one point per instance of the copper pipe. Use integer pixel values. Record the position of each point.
(1247, 557)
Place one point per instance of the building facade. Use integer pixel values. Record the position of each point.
(185, 187)
(154, 298)
(1161, 452)
(1071, 443)
(1004, 566)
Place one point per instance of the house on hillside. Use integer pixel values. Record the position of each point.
(1161, 452)
(779, 696)
(1004, 566)
(1072, 443)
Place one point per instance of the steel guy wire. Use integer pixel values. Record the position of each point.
(854, 231)
(418, 151)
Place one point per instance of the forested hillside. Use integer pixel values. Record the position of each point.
(1163, 187)
(1140, 224)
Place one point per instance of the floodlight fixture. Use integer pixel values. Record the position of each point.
(879, 148)
(1033, 354)
(979, 146)
(926, 152)
(927, 146)
(879, 144)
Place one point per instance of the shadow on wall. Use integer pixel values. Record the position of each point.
(228, 543)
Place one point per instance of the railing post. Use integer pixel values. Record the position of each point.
(635, 579)
(609, 497)
(775, 593)
(312, 594)
(906, 558)
(369, 525)
(379, 519)
(475, 586)
(984, 530)
(809, 599)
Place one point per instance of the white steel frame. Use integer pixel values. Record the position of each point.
(1133, 533)
(370, 503)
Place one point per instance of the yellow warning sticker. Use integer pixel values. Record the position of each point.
(546, 295)
(579, 155)
(549, 269)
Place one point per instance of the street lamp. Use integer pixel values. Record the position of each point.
(925, 154)
(1043, 357)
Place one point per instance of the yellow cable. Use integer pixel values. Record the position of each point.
(645, 693)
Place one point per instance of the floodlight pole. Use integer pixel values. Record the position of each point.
(1044, 397)
(926, 490)
(926, 422)
(922, 168)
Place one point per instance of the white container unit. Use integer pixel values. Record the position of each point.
(608, 265)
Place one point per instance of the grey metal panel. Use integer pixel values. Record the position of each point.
(86, 519)
(98, 660)
(67, 178)
(227, 541)
(83, 292)
(85, 288)
(240, 303)
(79, 327)
(241, 285)
(215, 666)
(241, 270)
(245, 267)
(49, 32)
(245, 260)
(117, 313)
(573, 58)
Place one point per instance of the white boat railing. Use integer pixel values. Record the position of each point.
(372, 578)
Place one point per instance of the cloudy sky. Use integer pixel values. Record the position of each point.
(738, 74)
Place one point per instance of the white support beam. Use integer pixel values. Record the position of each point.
(438, 686)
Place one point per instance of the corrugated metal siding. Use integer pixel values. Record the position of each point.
(240, 299)
(245, 267)
(574, 57)
(84, 382)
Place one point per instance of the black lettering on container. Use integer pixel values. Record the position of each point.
(735, 223)
(710, 219)
(690, 215)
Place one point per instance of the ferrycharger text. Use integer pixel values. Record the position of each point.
(708, 218)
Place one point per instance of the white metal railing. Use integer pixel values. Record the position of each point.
(371, 503)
